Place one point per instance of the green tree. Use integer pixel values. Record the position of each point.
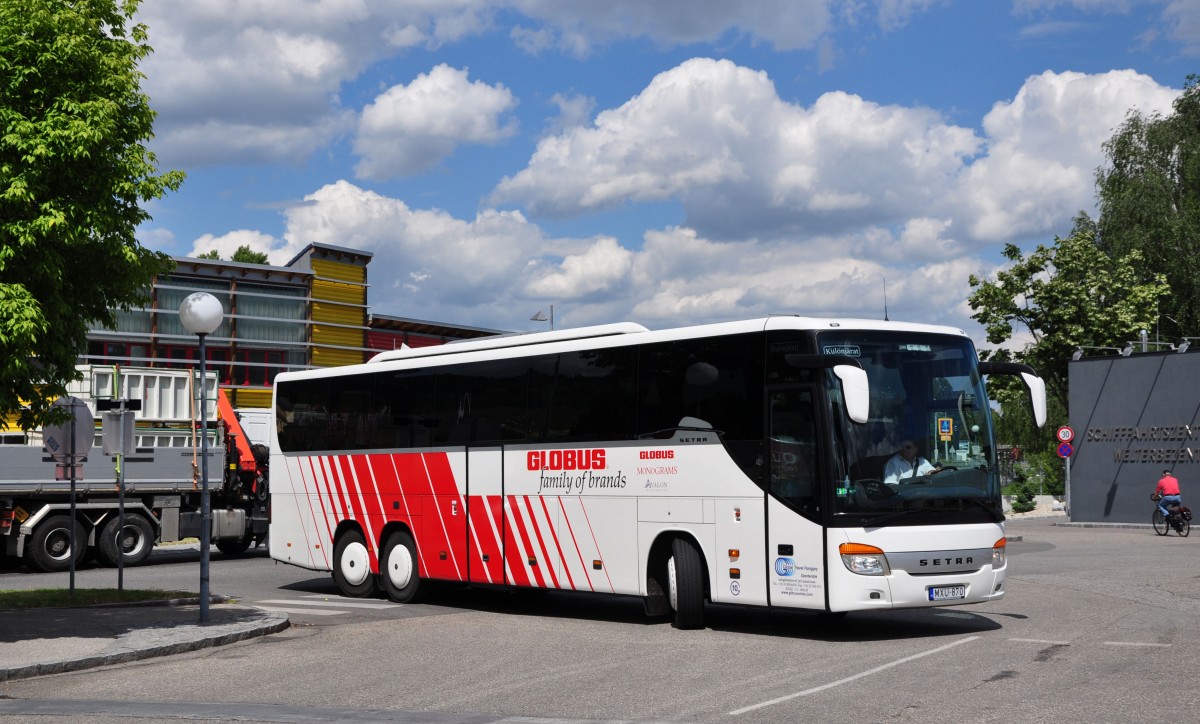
(1059, 298)
(246, 255)
(243, 255)
(73, 176)
(1149, 199)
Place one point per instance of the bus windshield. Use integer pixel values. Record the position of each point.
(926, 453)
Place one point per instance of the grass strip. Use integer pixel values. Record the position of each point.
(62, 598)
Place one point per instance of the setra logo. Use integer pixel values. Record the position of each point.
(785, 567)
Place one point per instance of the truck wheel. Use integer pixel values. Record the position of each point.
(685, 574)
(133, 543)
(50, 545)
(398, 567)
(352, 565)
(235, 546)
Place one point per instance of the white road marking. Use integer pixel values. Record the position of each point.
(1043, 641)
(848, 679)
(306, 611)
(324, 597)
(1135, 643)
(339, 604)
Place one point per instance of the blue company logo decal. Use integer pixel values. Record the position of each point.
(846, 350)
(785, 567)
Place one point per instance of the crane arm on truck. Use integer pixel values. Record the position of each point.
(233, 427)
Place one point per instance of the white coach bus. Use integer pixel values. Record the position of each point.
(738, 463)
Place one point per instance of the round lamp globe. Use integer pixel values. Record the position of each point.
(201, 313)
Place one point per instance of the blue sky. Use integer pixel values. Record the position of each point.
(670, 162)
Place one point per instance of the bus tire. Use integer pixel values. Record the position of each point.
(685, 576)
(398, 569)
(137, 541)
(352, 565)
(49, 548)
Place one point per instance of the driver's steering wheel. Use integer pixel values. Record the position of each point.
(875, 489)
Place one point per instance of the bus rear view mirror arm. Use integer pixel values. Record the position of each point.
(1036, 385)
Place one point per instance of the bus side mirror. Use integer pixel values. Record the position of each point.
(1037, 393)
(1036, 385)
(855, 390)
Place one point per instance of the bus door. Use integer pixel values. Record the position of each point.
(485, 510)
(795, 550)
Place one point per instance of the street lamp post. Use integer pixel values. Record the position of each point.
(201, 314)
(541, 317)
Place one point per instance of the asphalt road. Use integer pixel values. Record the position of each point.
(1098, 625)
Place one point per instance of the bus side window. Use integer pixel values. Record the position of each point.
(588, 398)
(407, 401)
(718, 380)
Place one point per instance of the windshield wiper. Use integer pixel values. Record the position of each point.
(893, 514)
(890, 515)
(996, 515)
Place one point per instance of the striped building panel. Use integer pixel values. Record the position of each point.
(337, 314)
(336, 336)
(336, 292)
(386, 340)
(251, 398)
(325, 357)
(339, 270)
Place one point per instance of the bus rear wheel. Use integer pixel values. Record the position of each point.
(352, 565)
(685, 577)
(398, 569)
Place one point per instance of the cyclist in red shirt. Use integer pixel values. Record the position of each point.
(1168, 488)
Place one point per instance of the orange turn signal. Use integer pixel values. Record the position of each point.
(858, 549)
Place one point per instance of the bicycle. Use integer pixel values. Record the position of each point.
(1180, 519)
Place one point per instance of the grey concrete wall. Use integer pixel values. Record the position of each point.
(1132, 416)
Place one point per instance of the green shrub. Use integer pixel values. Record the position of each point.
(1023, 499)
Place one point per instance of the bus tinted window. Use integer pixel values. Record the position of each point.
(587, 396)
(353, 415)
(482, 402)
(717, 380)
(302, 415)
(409, 417)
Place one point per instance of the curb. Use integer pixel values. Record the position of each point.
(267, 622)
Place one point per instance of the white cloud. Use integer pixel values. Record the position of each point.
(268, 76)
(410, 128)
(1044, 147)
(1183, 21)
(785, 24)
(742, 161)
(270, 72)
(496, 269)
(226, 244)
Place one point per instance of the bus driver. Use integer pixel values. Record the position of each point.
(907, 463)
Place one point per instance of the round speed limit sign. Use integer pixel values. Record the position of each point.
(1065, 434)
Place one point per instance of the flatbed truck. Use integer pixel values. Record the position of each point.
(162, 498)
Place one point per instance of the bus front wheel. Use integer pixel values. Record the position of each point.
(352, 565)
(399, 568)
(685, 578)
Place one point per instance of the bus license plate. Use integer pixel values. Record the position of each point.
(947, 593)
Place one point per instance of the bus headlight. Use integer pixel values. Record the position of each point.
(1000, 553)
(864, 560)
